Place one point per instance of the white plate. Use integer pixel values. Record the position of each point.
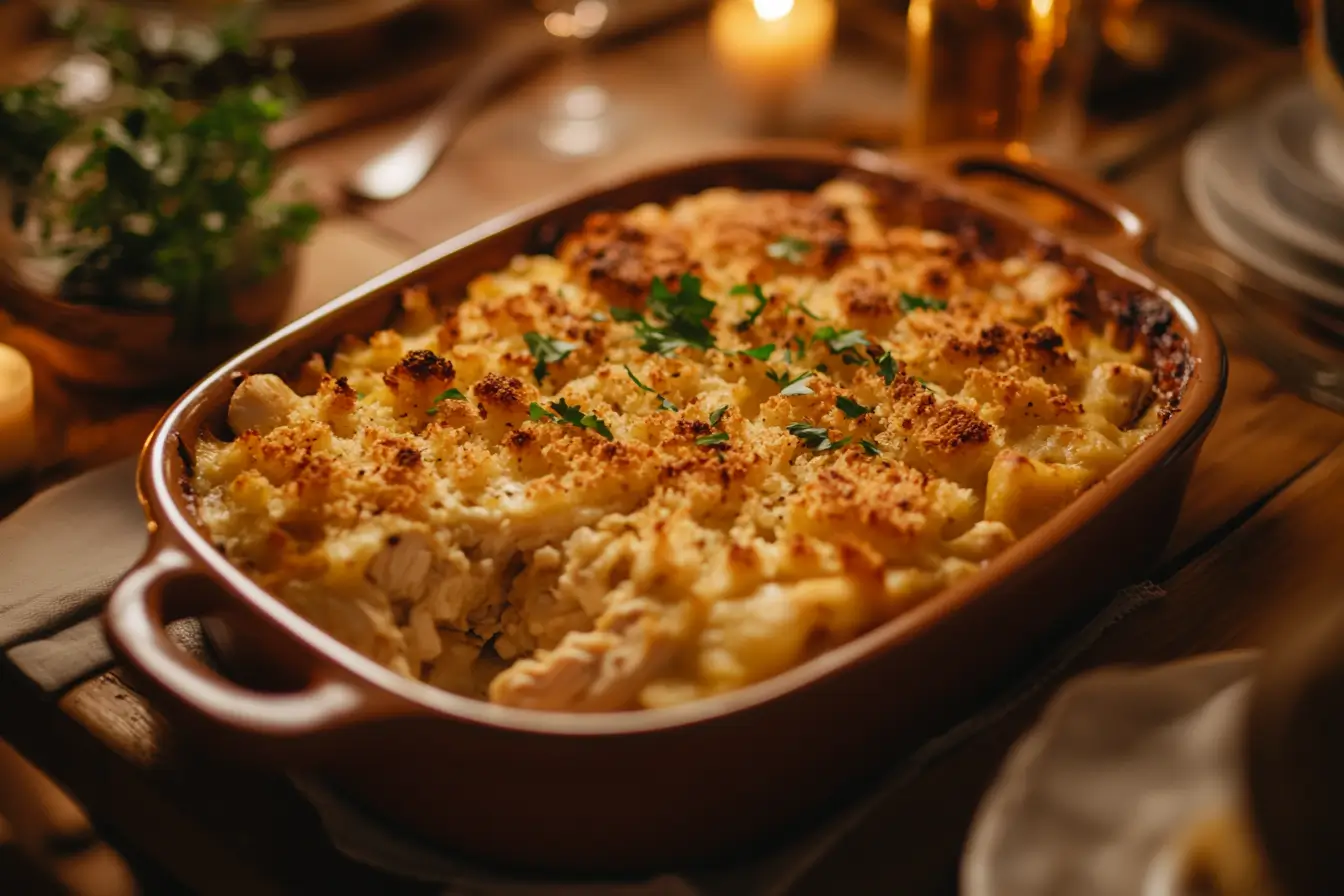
(1224, 193)
(1298, 176)
(1122, 762)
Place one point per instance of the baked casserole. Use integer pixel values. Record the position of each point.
(693, 448)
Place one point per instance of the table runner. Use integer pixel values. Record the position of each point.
(62, 552)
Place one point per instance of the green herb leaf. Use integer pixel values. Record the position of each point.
(886, 365)
(717, 414)
(625, 315)
(547, 351)
(761, 303)
(717, 438)
(663, 403)
(808, 311)
(869, 448)
(790, 248)
(910, 302)
(840, 341)
(760, 352)
(684, 315)
(445, 395)
(567, 413)
(851, 408)
(798, 385)
(818, 438)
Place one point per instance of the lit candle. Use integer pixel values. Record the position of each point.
(18, 433)
(770, 48)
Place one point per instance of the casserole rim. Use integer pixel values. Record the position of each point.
(168, 503)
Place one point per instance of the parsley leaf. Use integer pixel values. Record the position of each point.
(851, 408)
(887, 366)
(663, 403)
(547, 351)
(806, 310)
(840, 341)
(796, 386)
(818, 438)
(625, 314)
(869, 448)
(717, 438)
(684, 315)
(445, 395)
(760, 352)
(910, 302)
(761, 302)
(790, 248)
(567, 413)
(717, 414)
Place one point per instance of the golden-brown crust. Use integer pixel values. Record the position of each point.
(644, 528)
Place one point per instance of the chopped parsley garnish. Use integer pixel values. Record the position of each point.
(886, 365)
(790, 248)
(663, 403)
(795, 386)
(760, 352)
(806, 310)
(626, 314)
(761, 301)
(840, 341)
(683, 315)
(911, 302)
(717, 414)
(818, 438)
(796, 349)
(925, 383)
(547, 351)
(717, 438)
(445, 395)
(869, 448)
(851, 408)
(567, 413)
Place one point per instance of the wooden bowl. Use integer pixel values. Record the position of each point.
(135, 347)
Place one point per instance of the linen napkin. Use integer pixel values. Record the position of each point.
(61, 553)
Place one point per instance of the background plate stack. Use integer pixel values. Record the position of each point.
(1268, 187)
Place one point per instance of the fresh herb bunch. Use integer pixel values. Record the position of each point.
(162, 190)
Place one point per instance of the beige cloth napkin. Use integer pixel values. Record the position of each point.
(61, 553)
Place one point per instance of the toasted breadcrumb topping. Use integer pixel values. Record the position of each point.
(766, 422)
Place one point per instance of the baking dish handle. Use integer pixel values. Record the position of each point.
(280, 724)
(1133, 228)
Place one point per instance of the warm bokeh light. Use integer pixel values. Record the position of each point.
(772, 10)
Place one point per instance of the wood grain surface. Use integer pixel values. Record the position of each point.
(1255, 546)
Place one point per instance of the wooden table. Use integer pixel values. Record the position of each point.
(1255, 545)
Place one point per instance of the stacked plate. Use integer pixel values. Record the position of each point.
(1268, 186)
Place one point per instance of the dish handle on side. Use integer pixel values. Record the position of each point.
(167, 586)
(1133, 227)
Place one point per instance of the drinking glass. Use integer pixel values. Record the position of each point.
(577, 119)
(1009, 71)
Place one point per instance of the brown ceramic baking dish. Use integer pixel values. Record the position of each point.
(620, 792)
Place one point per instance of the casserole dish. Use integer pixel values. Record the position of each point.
(638, 790)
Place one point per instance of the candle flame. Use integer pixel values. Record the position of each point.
(772, 10)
